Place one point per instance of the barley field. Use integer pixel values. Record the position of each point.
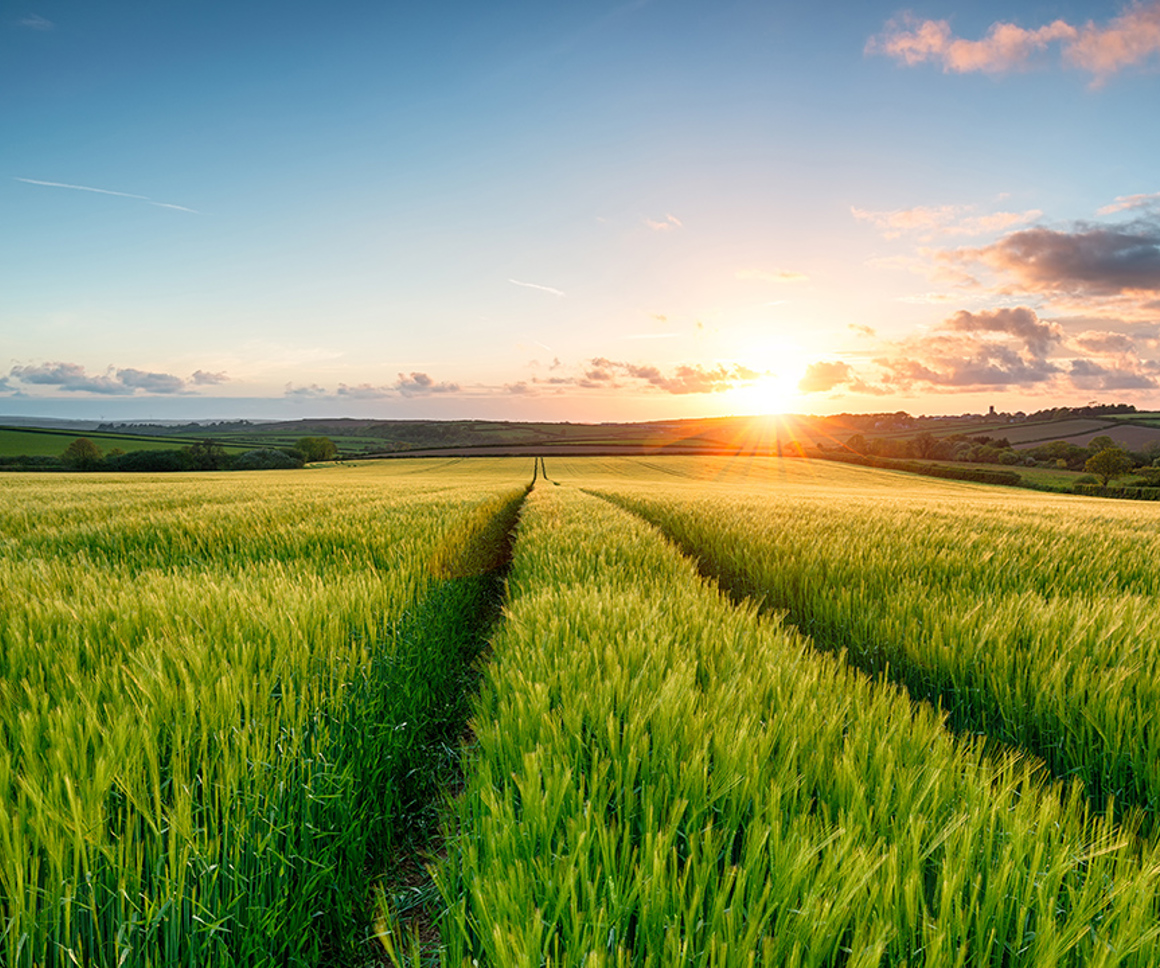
(706, 711)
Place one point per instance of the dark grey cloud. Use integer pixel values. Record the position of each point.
(1020, 322)
(1091, 260)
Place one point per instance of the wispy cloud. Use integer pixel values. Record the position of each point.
(105, 191)
(35, 22)
(1124, 203)
(1126, 40)
(670, 222)
(929, 221)
(651, 336)
(536, 285)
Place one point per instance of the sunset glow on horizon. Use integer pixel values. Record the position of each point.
(625, 211)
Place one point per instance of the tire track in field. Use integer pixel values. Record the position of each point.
(465, 608)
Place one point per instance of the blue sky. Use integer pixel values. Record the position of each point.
(582, 211)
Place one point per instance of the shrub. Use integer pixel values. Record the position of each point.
(150, 461)
(265, 459)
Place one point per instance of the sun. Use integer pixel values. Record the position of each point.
(781, 365)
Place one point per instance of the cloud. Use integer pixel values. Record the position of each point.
(151, 382)
(306, 392)
(1128, 39)
(1125, 203)
(861, 330)
(518, 388)
(1006, 47)
(775, 275)
(670, 222)
(1091, 260)
(683, 379)
(202, 378)
(105, 191)
(420, 384)
(826, 376)
(962, 364)
(73, 378)
(1020, 322)
(364, 391)
(945, 220)
(1089, 375)
(651, 336)
(534, 285)
(1094, 341)
(823, 376)
(34, 22)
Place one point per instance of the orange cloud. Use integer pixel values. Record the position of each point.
(1128, 39)
(1006, 47)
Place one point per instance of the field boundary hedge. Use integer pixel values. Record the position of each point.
(977, 475)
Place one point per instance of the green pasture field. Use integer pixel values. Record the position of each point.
(735, 711)
(345, 444)
(19, 441)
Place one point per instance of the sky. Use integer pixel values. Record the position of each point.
(583, 211)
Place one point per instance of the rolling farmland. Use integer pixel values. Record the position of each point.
(734, 712)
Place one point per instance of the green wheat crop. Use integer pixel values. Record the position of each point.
(1031, 618)
(663, 777)
(214, 694)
